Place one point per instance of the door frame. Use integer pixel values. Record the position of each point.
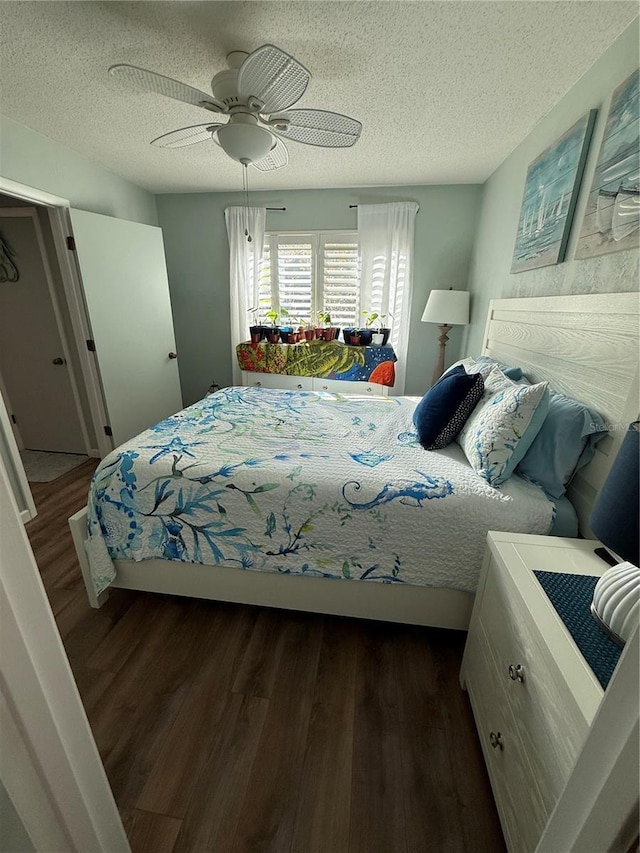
(51, 768)
(60, 220)
(32, 214)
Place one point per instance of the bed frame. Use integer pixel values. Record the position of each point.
(585, 346)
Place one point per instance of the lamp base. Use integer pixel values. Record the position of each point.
(439, 368)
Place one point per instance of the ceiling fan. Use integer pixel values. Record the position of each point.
(255, 92)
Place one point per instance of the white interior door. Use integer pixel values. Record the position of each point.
(32, 357)
(124, 278)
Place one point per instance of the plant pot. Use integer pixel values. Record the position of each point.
(354, 339)
(284, 332)
(377, 339)
(273, 336)
(309, 334)
(257, 334)
(330, 333)
(346, 333)
(385, 336)
(365, 336)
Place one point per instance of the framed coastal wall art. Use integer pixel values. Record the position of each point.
(612, 216)
(550, 195)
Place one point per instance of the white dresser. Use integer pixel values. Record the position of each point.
(533, 695)
(311, 383)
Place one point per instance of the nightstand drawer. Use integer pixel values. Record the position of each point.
(548, 720)
(523, 813)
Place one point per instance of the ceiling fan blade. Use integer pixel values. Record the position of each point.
(320, 127)
(167, 86)
(186, 136)
(273, 77)
(275, 159)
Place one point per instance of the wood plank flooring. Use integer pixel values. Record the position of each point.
(233, 729)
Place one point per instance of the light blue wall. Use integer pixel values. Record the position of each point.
(490, 276)
(32, 159)
(198, 262)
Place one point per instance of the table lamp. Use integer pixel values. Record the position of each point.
(614, 520)
(448, 308)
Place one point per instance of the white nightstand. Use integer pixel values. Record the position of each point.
(533, 695)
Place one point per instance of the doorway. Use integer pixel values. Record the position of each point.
(38, 365)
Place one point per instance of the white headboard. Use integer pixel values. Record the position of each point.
(586, 347)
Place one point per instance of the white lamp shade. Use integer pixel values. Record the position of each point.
(447, 307)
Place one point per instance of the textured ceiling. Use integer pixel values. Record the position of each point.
(445, 90)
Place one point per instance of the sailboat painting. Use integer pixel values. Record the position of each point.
(550, 195)
(612, 217)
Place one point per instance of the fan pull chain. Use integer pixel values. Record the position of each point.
(245, 187)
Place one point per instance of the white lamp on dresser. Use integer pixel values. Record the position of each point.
(448, 308)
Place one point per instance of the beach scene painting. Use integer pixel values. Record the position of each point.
(550, 195)
(612, 217)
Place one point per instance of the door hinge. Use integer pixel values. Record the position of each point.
(91, 345)
(108, 431)
(71, 243)
(13, 419)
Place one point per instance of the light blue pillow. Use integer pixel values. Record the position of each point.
(483, 364)
(565, 443)
(514, 373)
(503, 426)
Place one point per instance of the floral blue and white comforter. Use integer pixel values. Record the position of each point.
(302, 483)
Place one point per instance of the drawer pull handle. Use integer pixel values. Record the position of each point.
(495, 739)
(299, 385)
(258, 384)
(516, 672)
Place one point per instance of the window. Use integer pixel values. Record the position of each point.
(308, 273)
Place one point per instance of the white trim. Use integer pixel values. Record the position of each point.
(16, 463)
(25, 787)
(26, 193)
(9, 407)
(42, 696)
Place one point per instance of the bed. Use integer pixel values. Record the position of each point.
(328, 503)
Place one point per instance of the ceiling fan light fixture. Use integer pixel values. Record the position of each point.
(245, 142)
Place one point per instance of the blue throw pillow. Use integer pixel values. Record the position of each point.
(565, 442)
(444, 409)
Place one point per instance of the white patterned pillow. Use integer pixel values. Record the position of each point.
(503, 425)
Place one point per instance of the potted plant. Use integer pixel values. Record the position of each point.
(329, 332)
(309, 330)
(383, 330)
(256, 331)
(355, 338)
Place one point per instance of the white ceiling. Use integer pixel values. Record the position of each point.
(445, 90)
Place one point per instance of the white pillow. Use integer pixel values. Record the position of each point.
(471, 365)
(503, 425)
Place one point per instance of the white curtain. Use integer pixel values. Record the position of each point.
(385, 239)
(245, 259)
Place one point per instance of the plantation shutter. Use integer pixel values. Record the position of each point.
(340, 279)
(308, 273)
(295, 278)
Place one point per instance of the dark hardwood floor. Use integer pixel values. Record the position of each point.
(226, 728)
